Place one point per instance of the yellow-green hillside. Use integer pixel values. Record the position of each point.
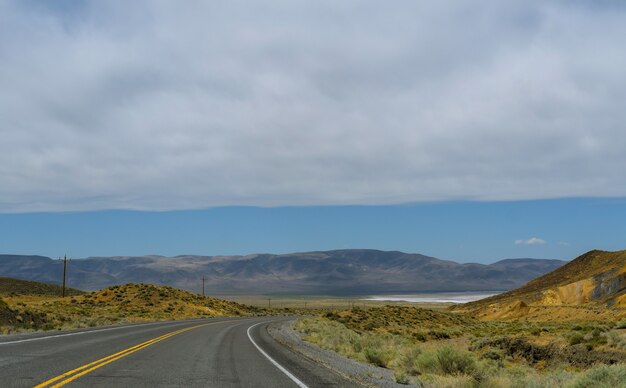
(116, 304)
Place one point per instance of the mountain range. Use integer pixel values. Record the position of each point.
(337, 272)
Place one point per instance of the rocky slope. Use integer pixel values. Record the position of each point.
(591, 284)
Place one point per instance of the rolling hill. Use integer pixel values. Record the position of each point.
(136, 302)
(339, 272)
(12, 287)
(35, 306)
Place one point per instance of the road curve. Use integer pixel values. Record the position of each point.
(216, 352)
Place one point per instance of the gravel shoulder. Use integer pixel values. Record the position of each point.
(364, 374)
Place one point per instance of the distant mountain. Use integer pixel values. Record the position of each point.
(339, 272)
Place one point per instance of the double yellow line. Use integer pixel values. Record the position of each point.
(72, 375)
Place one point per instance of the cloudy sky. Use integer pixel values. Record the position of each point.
(163, 105)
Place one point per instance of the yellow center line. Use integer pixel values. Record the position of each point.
(95, 362)
(87, 368)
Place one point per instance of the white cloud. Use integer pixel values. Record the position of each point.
(530, 241)
(164, 105)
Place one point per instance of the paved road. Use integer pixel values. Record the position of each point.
(218, 352)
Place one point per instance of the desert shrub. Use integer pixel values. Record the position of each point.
(419, 336)
(494, 355)
(439, 334)
(601, 377)
(479, 343)
(427, 363)
(621, 324)
(454, 361)
(377, 355)
(409, 360)
(576, 338)
(402, 378)
(448, 361)
(331, 315)
(615, 340)
(590, 336)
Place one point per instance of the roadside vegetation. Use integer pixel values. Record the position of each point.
(117, 304)
(442, 349)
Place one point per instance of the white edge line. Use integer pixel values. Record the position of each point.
(276, 364)
(84, 332)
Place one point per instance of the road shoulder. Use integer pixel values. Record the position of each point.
(364, 374)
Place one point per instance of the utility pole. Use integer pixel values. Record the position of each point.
(64, 274)
(269, 302)
(202, 285)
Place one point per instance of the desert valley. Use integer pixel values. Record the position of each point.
(561, 329)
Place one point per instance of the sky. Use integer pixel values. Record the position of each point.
(482, 232)
(305, 123)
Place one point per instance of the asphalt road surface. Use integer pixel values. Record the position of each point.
(217, 352)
